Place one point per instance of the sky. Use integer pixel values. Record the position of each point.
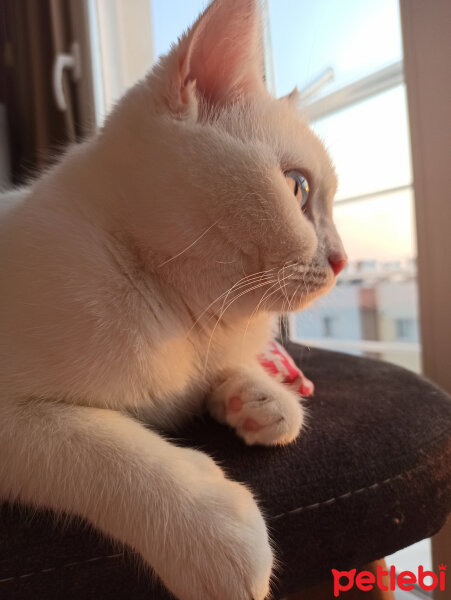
(369, 142)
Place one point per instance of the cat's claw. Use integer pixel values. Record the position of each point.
(307, 387)
(260, 409)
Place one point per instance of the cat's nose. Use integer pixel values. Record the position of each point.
(338, 262)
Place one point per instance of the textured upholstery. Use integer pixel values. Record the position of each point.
(370, 474)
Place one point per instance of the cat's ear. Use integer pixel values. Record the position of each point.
(220, 58)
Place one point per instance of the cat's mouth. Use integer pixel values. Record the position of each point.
(300, 284)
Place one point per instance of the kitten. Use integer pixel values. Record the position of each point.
(139, 276)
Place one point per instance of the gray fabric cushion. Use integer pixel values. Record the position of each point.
(370, 474)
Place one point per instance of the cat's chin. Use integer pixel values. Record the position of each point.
(296, 304)
(299, 295)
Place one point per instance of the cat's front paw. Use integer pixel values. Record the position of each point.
(260, 409)
(217, 546)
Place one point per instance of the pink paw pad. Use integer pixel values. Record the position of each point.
(251, 425)
(235, 404)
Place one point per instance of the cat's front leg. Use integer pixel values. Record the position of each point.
(259, 408)
(202, 533)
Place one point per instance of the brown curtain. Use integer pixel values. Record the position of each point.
(32, 33)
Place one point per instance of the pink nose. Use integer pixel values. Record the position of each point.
(337, 264)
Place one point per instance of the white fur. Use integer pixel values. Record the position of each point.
(140, 274)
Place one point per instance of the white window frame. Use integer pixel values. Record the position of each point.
(117, 49)
(427, 52)
(376, 82)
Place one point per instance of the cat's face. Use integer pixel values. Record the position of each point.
(244, 187)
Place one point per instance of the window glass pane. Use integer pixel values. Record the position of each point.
(369, 143)
(355, 37)
(380, 229)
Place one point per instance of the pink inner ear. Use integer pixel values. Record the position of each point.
(225, 55)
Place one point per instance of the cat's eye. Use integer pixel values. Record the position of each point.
(299, 185)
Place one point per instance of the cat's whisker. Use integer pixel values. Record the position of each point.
(242, 267)
(248, 279)
(188, 247)
(222, 314)
(261, 300)
(283, 274)
(242, 287)
(259, 304)
(243, 282)
(293, 295)
(290, 299)
(242, 293)
(262, 276)
(267, 292)
(255, 311)
(269, 296)
(275, 291)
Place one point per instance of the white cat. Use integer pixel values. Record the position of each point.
(142, 272)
